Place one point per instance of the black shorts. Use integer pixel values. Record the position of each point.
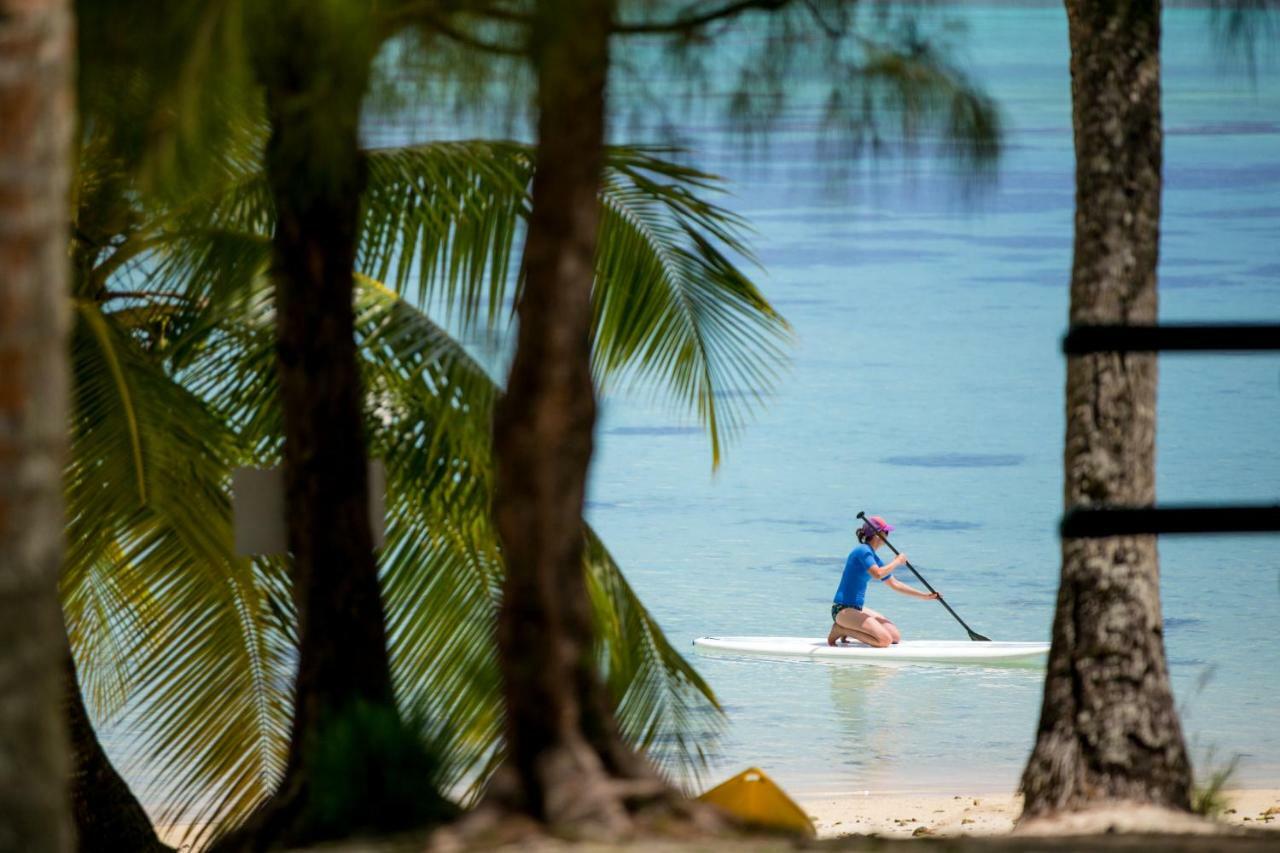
(836, 608)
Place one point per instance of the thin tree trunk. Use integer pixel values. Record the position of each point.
(314, 62)
(36, 123)
(108, 817)
(343, 654)
(1108, 725)
(565, 752)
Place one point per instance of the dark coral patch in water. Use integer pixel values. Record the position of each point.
(957, 460)
(660, 430)
(817, 561)
(939, 524)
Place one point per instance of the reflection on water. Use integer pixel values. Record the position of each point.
(825, 726)
(864, 746)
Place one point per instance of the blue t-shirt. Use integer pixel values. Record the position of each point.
(853, 583)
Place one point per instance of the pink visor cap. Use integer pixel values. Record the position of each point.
(876, 524)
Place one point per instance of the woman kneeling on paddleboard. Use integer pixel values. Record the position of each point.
(850, 620)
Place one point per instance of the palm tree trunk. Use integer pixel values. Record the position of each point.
(1108, 725)
(563, 742)
(108, 817)
(37, 117)
(314, 62)
(343, 651)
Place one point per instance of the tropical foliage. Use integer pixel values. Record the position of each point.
(191, 647)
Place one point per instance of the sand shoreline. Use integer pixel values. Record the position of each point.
(916, 815)
(940, 815)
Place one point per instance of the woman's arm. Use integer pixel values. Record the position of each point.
(907, 590)
(881, 572)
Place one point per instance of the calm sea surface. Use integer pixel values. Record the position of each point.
(927, 386)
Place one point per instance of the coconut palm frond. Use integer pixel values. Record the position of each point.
(167, 88)
(214, 717)
(671, 305)
(104, 620)
(206, 641)
(663, 705)
(440, 225)
(136, 438)
(176, 638)
(441, 583)
(443, 572)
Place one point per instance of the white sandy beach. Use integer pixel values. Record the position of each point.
(925, 815)
(907, 815)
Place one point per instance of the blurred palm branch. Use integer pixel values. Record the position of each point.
(188, 650)
(188, 647)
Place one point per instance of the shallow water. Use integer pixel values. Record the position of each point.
(927, 386)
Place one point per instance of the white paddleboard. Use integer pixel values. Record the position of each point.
(923, 651)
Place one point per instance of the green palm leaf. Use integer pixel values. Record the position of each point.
(165, 88)
(175, 637)
(440, 224)
(430, 407)
(203, 644)
(671, 306)
(215, 707)
(445, 656)
(664, 706)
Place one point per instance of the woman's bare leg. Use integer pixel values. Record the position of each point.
(894, 633)
(835, 635)
(863, 627)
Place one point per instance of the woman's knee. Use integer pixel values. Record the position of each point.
(881, 640)
(880, 636)
(895, 636)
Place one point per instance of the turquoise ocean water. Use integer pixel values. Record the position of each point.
(927, 386)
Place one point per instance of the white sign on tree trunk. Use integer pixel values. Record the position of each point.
(257, 502)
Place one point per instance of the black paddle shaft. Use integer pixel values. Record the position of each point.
(973, 635)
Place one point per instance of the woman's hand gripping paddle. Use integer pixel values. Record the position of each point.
(973, 635)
